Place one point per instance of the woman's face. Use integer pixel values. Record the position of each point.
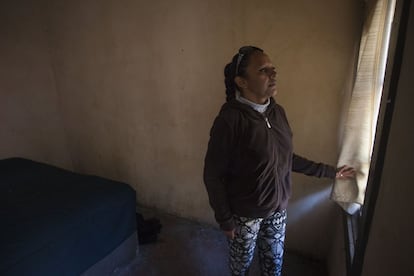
(259, 84)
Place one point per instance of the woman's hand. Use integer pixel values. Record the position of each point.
(345, 172)
(229, 234)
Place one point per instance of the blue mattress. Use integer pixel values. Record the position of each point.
(56, 222)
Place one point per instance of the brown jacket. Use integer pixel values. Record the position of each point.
(249, 161)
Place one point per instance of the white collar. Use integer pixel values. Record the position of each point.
(261, 108)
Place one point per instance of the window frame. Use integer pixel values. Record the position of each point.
(357, 226)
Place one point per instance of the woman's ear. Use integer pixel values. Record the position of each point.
(240, 82)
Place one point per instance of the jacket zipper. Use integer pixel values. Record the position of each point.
(267, 122)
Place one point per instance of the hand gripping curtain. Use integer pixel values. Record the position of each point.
(361, 118)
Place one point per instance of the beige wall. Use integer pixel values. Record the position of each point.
(390, 244)
(30, 120)
(139, 84)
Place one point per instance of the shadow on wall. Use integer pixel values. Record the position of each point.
(303, 207)
(308, 217)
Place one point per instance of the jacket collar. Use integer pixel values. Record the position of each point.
(233, 103)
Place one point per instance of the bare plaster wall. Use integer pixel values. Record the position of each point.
(31, 125)
(139, 83)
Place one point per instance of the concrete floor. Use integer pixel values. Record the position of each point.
(188, 248)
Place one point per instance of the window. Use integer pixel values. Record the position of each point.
(358, 224)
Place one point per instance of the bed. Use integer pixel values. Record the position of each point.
(57, 222)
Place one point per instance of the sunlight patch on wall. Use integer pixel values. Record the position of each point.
(306, 205)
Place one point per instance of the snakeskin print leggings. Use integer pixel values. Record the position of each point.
(269, 236)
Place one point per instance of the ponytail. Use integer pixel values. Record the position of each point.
(229, 81)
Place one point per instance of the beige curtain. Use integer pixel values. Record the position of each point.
(361, 116)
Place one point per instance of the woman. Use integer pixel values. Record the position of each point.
(249, 161)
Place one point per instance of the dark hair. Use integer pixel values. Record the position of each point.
(237, 67)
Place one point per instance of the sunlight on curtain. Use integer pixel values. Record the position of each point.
(360, 123)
